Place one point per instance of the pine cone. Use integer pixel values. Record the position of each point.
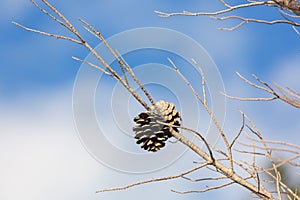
(150, 133)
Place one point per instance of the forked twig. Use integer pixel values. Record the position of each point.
(123, 65)
(81, 41)
(221, 132)
(240, 131)
(287, 95)
(197, 134)
(229, 9)
(92, 65)
(224, 14)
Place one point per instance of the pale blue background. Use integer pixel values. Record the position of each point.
(41, 156)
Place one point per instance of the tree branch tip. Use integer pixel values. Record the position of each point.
(161, 14)
(241, 112)
(238, 73)
(173, 190)
(255, 76)
(75, 58)
(172, 63)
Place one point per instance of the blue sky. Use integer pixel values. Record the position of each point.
(41, 153)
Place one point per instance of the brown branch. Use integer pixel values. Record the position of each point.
(81, 41)
(287, 5)
(256, 132)
(247, 20)
(50, 15)
(222, 168)
(249, 98)
(221, 132)
(197, 134)
(154, 180)
(92, 65)
(290, 192)
(285, 94)
(47, 34)
(240, 131)
(229, 9)
(250, 152)
(204, 190)
(290, 5)
(289, 96)
(119, 60)
(205, 179)
(202, 80)
(283, 143)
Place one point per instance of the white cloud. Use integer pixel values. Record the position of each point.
(41, 156)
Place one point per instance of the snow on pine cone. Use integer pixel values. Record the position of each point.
(151, 134)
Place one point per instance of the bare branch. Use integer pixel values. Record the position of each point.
(136, 80)
(246, 20)
(249, 98)
(202, 81)
(290, 5)
(231, 28)
(286, 94)
(123, 65)
(47, 34)
(240, 131)
(208, 111)
(204, 190)
(205, 179)
(49, 15)
(154, 180)
(93, 65)
(229, 9)
(258, 134)
(198, 135)
(287, 5)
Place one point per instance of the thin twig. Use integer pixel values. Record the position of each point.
(202, 81)
(229, 9)
(119, 60)
(240, 131)
(154, 180)
(207, 110)
(249, 98)
(47, 34)
(51, 16)
(205, 179)
(247, 20)
(198, 135)
(277, 173)
(136, 80)
(93, 65)
(204, 190)
(287, 95)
